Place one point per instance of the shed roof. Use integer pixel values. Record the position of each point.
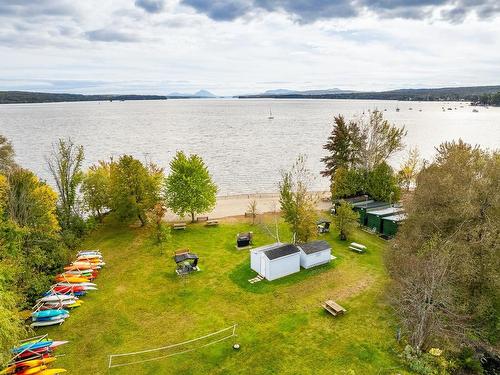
(386, 211)
(185, 256)
(314, 246)
(398, 217)
(368, 205)
(281, 251)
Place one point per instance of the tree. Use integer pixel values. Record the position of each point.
(162, 233)
(409, 169)
(344, 145)
(444, 262)
(96, 189)
(134, 187)
(29, 202)
(382, 184)
(380, 140)
(12, 328)
(252, 209)
(298, 205)
(345, 219)
(189, 187)
(65, 163)
(348, 183)
(6, 155)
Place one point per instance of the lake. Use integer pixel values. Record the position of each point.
(243, 149)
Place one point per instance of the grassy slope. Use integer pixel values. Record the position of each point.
(142, 304)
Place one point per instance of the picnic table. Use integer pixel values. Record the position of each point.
(179, 226)
(202, 218)
(212, 223)
(333, 308)
(357, 247)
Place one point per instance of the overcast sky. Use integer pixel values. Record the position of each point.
(246, 46)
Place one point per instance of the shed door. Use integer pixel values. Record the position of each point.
(262, 265)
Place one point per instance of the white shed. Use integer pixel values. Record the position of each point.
(275, 260)
(315, 253)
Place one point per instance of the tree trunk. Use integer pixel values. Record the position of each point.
(192, 217)
(143, 222)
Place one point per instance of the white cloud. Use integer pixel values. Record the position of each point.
(110, 46)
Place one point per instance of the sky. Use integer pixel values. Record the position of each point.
(246, 46)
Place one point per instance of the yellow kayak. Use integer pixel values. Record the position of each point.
(37, 362)
(72, 279)
(34, 370)
(52, 371)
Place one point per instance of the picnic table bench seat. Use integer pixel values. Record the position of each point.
(333, 308)
(212, 223)
(179, 226)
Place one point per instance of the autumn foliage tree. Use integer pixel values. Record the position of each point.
(134, 188)
(444, 262)
(298, 205)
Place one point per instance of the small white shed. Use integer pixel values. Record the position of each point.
(315, 253)
(275, 260)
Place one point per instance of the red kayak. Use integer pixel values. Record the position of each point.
(68, 289)
(41, 351)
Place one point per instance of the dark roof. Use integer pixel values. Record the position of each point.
(314, 246)
(281, 251)
(185, 256)
(370, 205)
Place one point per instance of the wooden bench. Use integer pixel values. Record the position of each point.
(179, 226)
(212, 223)
(202, 218)
(333, 308)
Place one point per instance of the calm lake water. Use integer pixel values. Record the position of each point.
(243, 149)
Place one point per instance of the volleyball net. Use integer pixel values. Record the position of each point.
(128, 359)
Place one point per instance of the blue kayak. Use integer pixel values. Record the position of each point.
(32, 346)
(49, 313)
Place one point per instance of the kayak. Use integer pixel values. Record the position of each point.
(77, 268)
(33, 370)
(49, 313)
(48, 318)
(35, 362)
(56, 298)
(46, 323)
(66, 288)
(52, 371)
(79, 284)
(32, 346)
(72, 279)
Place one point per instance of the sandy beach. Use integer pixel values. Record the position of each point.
(237, 205)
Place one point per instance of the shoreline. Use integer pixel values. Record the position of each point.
(236, 205)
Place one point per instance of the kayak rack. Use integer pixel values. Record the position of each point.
(35, 340)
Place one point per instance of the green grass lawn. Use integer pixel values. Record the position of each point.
(141, 303)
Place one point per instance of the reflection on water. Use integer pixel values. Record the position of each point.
(242, 147)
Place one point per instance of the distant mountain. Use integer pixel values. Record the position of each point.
(306, 92)
(472, 93)
(198, 94)
(13, 97)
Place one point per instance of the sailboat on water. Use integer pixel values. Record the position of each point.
(270, 114)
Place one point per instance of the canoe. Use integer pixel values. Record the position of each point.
(49, 313)
(32, 346)
(52, 371)
(46, 323)
(33, 370)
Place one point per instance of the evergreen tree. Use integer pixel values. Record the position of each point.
(344, 144)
